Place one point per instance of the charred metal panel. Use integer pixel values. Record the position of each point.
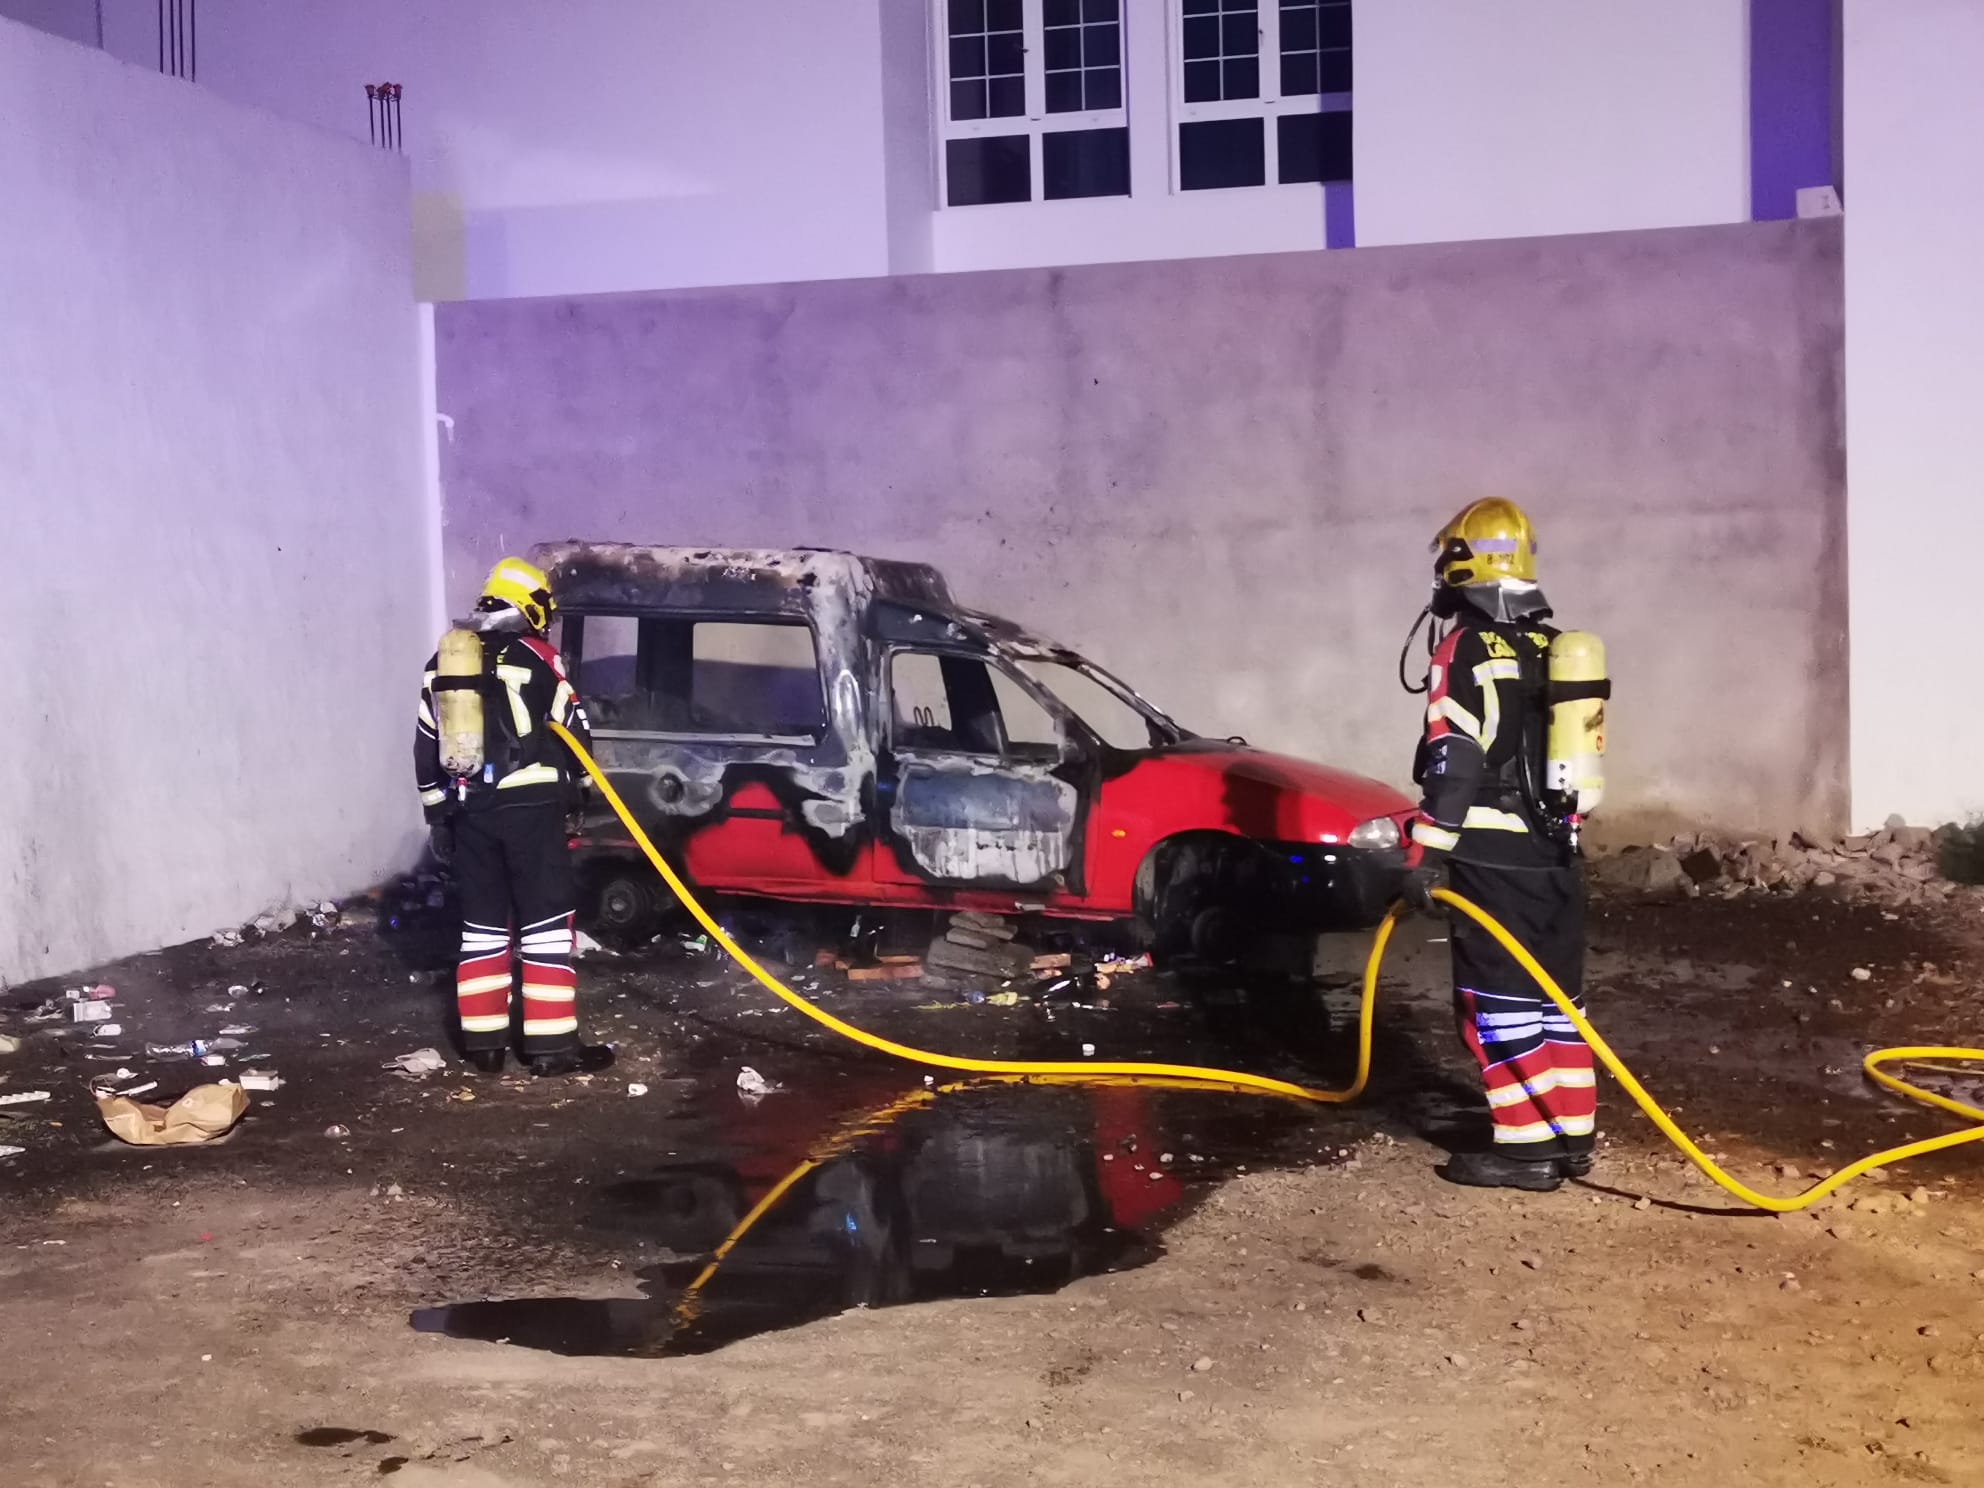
(964, 820)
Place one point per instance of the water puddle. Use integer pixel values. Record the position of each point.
(988, 1190)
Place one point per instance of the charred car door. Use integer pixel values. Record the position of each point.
(977, 779)
(716, 729)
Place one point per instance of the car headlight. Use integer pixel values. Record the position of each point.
(1379, 832)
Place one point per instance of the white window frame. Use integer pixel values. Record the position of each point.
(1270, 106)
(1036, 121)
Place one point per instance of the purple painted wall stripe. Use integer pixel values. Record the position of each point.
(1792, 117)
(1340, 215)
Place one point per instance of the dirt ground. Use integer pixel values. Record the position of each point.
(1298, 1298)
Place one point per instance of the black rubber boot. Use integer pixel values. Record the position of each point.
(1493, 1170)
(587, 1059)
(1575, 1167)
(487, 1061)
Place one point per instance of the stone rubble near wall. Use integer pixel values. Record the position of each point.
(1896, 865)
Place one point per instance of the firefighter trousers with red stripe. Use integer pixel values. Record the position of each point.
(1542, 1093)
(513, 873)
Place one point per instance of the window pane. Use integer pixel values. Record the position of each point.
(1084, 162)
(1064, 92)
(1223, 152)
(1100, 10)
(1064, 48)
(1030, 728)
(1005, 54)
(1335, 72)
(1201, 7)
(981, 171)
(967, 56)
(1334, 26)
(1201, 37)
(1298, 74)
(1243, 77)
(608, 645)
(1062, 12)
(1105, 88)
(1201, 82)
(1314, 147)
(1298, 28)
(968, 100)
(1007, 98)
(1101, 46)
(1004, 15)
(967, 15)
(1114, 721)
(754, 678)
(920, 704)
(1240, 35)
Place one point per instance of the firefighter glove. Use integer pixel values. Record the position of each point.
(1416, 888)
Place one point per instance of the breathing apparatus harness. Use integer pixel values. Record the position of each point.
(479, 744)
(1557, 768)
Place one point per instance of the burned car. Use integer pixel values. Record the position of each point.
(817, 726)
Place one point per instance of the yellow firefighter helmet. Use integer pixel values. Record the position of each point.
(522, 585)
(1489, 542)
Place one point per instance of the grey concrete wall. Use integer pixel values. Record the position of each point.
(1219, 477)
(211, 510)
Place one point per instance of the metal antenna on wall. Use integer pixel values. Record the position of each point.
(382, 114)
(178, 37)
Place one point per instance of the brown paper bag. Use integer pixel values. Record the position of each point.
(200, 1115)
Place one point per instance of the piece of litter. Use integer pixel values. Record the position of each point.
(23, 1098)
(144, 1089)
(213, 1061)
(226, 939)
(636, 1088)
(237, 990)
(419, 1062)
(108, 1030)
(337, 1132)
(753, 1086)
(1088, 1051)
(584, 945)
(1861, 974)
(9, 1044)
(12, 1151)
(260, 1080)
(200, 1115)
(1004, 999)
(235, 1030)
(91, 1012)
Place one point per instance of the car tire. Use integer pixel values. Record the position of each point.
(627, 904)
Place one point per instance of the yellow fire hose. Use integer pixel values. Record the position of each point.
(1110, 1071)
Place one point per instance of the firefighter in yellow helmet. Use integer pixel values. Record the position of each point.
(496, 786)
(1484, 821)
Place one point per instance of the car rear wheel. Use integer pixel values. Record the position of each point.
(627, 903)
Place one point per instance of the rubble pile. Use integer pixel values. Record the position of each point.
(1897, 865)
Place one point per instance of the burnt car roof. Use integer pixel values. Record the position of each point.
(589, 575)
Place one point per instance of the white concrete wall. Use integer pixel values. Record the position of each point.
(1527, 117)
(1915, 402)
(586, 145)
(210, 510)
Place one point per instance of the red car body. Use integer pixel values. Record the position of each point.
(817, 726)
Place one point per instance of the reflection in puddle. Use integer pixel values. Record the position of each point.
(993, 1190)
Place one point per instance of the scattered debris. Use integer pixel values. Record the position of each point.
(752, 1086)
(1120, 966)
(337, 1132)
(9, 1044)
(1201, 1364)
(226, 940)
(11, 1151)
(636, 1088)
(264, 1080)
(583, 945)
(90, 1011)
(419, 1062)
(23, 1098)
(1897, 865)
(200, 1115)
